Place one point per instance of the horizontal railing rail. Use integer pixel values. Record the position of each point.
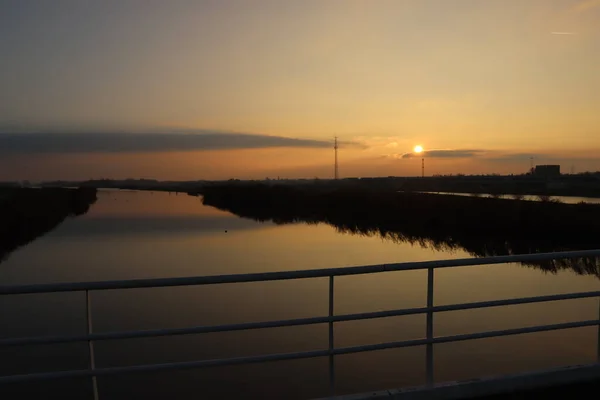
(288, 275)
(291, 322)
(291, 356)
(429, 340)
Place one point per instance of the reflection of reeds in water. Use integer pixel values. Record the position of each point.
(580, 265)
(27, 214)
(420, 219)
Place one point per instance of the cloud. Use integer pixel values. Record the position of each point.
(446, 153)
(586, 5)
(111, 142)
(350, 144)
(520, 157)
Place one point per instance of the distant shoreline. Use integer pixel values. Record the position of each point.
(581, 185)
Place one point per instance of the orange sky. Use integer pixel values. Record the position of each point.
(511, 79)
(271, 163)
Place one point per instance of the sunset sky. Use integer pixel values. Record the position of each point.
(163, 89)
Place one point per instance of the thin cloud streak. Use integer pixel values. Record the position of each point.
(72, 143)
(538, 158)
(446, 153)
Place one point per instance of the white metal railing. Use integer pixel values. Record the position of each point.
(330, 319)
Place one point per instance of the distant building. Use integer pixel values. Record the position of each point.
(547, 171)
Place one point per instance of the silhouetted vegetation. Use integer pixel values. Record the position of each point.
(482, 226)
(584, 185)
(29, 213)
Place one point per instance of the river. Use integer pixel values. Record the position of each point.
(530, 197)
(129, 234)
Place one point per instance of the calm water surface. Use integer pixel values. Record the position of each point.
(530, 197)
(149, 235)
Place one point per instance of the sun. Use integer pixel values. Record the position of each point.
(418, 149)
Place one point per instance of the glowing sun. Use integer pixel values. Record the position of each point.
(418, 149)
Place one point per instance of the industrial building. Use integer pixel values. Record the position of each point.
(547, 171)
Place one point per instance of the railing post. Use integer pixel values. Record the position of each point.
(429, 346)
(598, 347)
(90, 342)
(331, 361)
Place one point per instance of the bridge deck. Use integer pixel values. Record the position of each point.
(570, 382)
(581, 390)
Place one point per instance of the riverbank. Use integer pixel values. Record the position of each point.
(481, 226)
(583, 185)
(29, 213)
(467, 215)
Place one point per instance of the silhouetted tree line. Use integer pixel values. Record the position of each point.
(29, 213)
(480, 226)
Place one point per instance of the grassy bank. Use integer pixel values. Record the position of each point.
(481, 226)
(29, 213)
